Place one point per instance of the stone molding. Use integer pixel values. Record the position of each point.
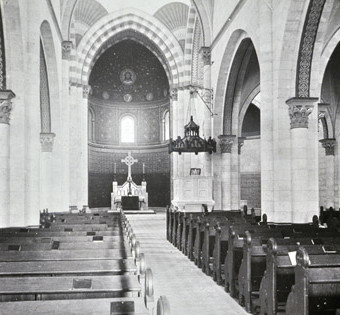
(174, 94)
(306, 48)
(226, 143)
(66, 46)
(240, 143)
(86, 91)
(299, 110)
(47, 141)
(328, 145)
(5, 105)
(206, 55)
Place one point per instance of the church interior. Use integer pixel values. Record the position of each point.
(169, 157)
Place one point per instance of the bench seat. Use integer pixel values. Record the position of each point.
(74, 307)
(52, 288)
(68, 268)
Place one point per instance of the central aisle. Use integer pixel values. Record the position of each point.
(188, 289)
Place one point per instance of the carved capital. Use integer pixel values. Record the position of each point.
(328, 145)
(86, 91)
(47, 140)
(5, 105)
(174, 94)
(206, 55)
(322, 109)
(299, 110)
(240, 143)
(226, 143)
(66, 46)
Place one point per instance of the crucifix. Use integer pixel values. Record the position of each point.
(129, 161)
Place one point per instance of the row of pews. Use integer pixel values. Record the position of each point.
(85, 263)
(270, 268)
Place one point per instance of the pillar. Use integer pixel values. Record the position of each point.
(173, 135)
(5, 110)
(226, 143)
(46, 171)
(329, 146)
(205, 53)
(304, 185)
(65, 125)
(84, 147)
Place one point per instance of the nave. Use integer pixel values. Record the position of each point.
(187, 288)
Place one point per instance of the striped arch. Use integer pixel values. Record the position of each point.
(117, 22)
(189, 41)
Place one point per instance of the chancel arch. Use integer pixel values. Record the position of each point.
(130, 102)
(132, 19)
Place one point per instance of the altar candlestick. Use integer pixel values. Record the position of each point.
(114, 168)
(143, 168)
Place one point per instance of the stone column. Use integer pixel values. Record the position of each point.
(305, 186)
(329, 146)
(5, 110)
(65, 125)
(84, 146)
(205, 53)
(226, 143)
(173, 135)
(75, 145)
(46, 170)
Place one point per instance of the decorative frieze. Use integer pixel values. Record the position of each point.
(5, 105)
(47, 140)
(174, 94)
(206, 55)
(66, 49)
(240, 143)
(299, 110)
(226, 143)
(86, 91)
(328, 145)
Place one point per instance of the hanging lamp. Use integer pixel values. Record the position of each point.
(192, 142)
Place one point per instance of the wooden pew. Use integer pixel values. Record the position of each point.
(279, 275)
(51, 288)
(317, 284)
(74, 254)
(113, 306)
(48, 233)
(254, 264)
(68, 268)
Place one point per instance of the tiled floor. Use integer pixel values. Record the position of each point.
(188, 289)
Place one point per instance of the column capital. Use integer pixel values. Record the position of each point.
(86, 91)
(5, 105)
(66, 46)
(206, 55)
(322, 109)
(328, 145)
(47, 140)
(174, 94)
(226, 142)
(240, 143)
(299, 110)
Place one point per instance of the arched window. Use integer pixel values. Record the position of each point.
(166, 126)
(127, 129)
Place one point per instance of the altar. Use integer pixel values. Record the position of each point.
(129, 196)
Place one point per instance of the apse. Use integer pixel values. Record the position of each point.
(128, 112)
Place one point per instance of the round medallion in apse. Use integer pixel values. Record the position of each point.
(127, 98)
(149, 96)
(105, 95)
